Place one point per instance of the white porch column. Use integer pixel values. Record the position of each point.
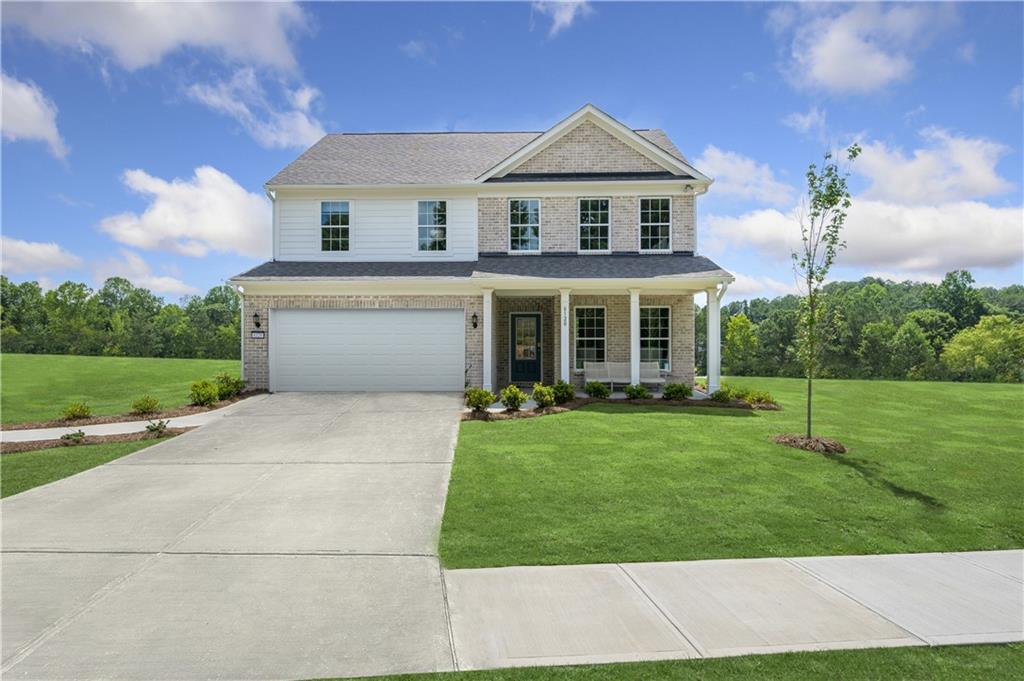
(488, 334)
(714, 353)
(634, 336)
(564, 372)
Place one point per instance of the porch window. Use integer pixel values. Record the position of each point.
(334, 225)
(655, 224)
(593, 214)
(432, 221)
(656, 336)
(524, 224)
(590, 338)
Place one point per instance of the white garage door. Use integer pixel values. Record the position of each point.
(338, 350)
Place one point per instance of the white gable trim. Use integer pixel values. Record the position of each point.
(589, 112)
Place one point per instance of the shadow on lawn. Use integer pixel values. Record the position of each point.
(626, 408)
(873, 477)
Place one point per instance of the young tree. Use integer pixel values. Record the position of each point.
(821, 225)
(740, 351)
(912, 354)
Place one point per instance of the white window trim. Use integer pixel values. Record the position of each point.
(447, 252)
(668, 369)
(579, 226)
(639, 226)
(351, 229)
(540, 225)
(575, 332)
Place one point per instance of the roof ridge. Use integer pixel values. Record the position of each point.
(461, 132)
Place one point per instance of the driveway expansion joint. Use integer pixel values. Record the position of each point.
(689, 638)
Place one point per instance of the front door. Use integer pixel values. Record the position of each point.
(525, 347)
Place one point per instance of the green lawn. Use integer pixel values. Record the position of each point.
(38, 387)
(24, 470)
(931, 467)
(955, 663)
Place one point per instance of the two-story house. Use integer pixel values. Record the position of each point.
(432, 261)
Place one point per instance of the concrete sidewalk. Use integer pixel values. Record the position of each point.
(580, 614)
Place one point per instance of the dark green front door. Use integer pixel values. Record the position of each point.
(524, 347)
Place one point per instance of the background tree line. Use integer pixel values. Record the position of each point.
(875, 328)
(117, 319)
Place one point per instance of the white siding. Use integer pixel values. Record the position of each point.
(380, 229)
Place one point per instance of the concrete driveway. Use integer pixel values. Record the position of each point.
(295, 538)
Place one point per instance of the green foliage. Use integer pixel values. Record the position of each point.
(957, 296)
(479, 399)
(203, 393)
(993, 350)
(76, 410)
(597, 389)
(228, 386)
(513, 397)
(938, 326)
(147, 404)
(637, 392)
(912, 354)
(157, 428)
(74, 438)
(875, 351)
(564, 392)
(741, 346)
(758, 397)
(543, 395)
(723, 395)
(676, 391)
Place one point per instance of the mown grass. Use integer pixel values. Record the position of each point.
(38, 387)
(22, 471)
(931, 467)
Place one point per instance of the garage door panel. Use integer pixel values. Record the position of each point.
(338, 350)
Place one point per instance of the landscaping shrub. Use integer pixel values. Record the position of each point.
(227, 385)
(147, 404)
(676, 391)
(597, 389)
(479, 399)
(759, 397)
(203, 393)
(723, 395)
(76, 410)
(157, 428)
(637, 392)
(512, 397)
(75, 438)
(564, 392)
(543, 395)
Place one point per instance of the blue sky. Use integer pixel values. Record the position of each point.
(137, 141)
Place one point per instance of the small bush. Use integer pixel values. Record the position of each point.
(157, 428)
(75, 438)
(564, 392)
(701, 386)
(760, 397)
(203, 393)
(147, 404)
(512, 397)
(543, 395)
(227, 385)
(723, 395)
(676, 391)
(597, 389)
(479, 399)
(76, 410)
(637, 392)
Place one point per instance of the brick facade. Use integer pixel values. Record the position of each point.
(587, 148)
(547, 306)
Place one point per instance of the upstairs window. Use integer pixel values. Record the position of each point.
(524, 224)
(594, 225)
(334, 225)
(655, 224)
(433, 225)
(656, 336)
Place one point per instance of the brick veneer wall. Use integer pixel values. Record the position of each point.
(547, 306)
(588, 148)
(256, 351)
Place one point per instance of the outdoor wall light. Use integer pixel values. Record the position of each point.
(475, 320)
(256, 319)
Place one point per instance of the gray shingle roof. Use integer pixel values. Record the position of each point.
(568, 266)
(414, 158)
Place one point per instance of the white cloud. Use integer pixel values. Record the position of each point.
(810, 123)
(563, 13)
(950, 168)
(28, 114)
(419, 49)
(29, 257)
(132, 267)
(738, 175)
(209, 212)
(244, 99)
(886, 236)
(1015, 96)
(747, 287)
(141, 34)
(966, 53)
(856, 50)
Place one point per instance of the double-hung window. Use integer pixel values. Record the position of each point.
(655, 224)
(590, 338)
(432, 225)
(524, 224)
(594, 225)
(334, 226)
(656, 336)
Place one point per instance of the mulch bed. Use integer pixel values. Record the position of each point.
(821, 445)
(187, 410)
(12, 447)
(577, 403)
